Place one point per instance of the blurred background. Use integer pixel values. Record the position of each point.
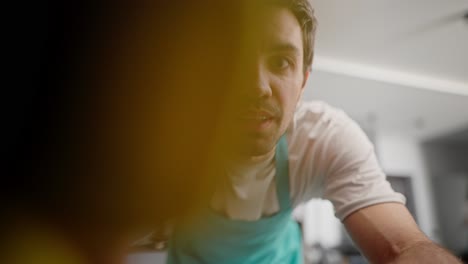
(400, 69)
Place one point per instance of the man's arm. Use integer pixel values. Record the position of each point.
(387, 233)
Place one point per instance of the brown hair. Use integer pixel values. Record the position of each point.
(304, 13)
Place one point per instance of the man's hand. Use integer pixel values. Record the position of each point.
(387, 233)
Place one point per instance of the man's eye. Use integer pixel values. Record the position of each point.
(279, 63)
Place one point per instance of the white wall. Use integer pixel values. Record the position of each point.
(402, 155)
(320, 226)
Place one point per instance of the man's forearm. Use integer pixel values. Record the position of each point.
(426, 252)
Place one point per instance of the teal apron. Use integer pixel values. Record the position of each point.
(212, 238)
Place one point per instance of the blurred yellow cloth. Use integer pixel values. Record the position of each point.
(39, 246)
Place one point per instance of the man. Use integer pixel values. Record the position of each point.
(287, 152)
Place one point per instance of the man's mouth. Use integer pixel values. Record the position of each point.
(259, 121)
(260, 115)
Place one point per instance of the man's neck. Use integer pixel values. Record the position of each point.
(263, 157)
(249, 161)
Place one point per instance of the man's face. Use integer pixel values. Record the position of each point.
(274, 82)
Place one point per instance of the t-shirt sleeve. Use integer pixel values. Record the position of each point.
(353, 177)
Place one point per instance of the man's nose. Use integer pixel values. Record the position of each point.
(259, 85)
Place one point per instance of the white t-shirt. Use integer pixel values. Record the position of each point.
(330, 157)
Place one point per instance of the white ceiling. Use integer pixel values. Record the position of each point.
(403, 63)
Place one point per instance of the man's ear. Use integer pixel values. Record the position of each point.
(306, 77)
(304, 82)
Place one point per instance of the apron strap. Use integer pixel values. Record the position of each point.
(282, 173)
